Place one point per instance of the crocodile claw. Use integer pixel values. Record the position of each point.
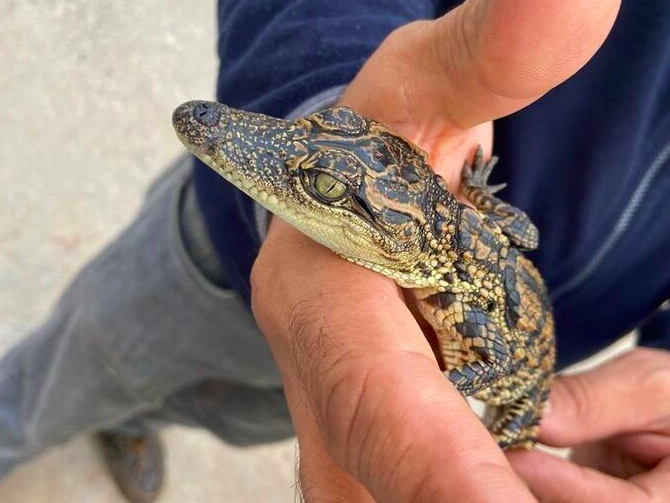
(477, 173)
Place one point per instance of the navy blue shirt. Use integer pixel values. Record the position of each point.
(589, 162)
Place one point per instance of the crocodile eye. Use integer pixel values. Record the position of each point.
(329, 187)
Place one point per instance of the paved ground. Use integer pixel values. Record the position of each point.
(86, 94)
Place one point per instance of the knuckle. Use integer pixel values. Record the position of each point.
(354, 415)
(261, 304)
(455, 37)
(396, 41)
(655, 382)
(463, 43)
(655, 386)
(579, 398)
(344, 409)
(649, 375)
(277, 301)
(258, 277)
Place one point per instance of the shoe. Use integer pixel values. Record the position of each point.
(136, 464)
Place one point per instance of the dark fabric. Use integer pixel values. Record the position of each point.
(587, 161)
(655, 329)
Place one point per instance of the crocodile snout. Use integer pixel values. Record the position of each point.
(198, 114)
(207, 113)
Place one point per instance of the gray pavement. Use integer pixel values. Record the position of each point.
(86, 94)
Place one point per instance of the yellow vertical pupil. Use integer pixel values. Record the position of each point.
(328, 186)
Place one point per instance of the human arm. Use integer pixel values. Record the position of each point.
(374, 415)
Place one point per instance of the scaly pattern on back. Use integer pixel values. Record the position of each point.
(368, 194)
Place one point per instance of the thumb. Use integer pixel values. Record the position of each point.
(483, 60)
(629, 393)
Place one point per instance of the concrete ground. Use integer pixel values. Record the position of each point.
(87, 90)
(86, 94)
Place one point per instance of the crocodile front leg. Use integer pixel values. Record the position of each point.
(514, 223)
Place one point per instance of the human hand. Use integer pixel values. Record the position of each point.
(374, 415)
(616, 418)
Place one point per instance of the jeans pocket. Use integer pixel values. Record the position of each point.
(193, 245)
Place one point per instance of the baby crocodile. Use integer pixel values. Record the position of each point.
(368, 194)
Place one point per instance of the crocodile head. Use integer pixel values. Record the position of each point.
(346, 181)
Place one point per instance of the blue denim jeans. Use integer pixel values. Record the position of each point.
(141, 337)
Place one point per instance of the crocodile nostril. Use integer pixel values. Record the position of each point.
(207, 114)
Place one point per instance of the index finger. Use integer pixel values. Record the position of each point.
(629, 393)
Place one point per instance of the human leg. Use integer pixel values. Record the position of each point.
(137, 325)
